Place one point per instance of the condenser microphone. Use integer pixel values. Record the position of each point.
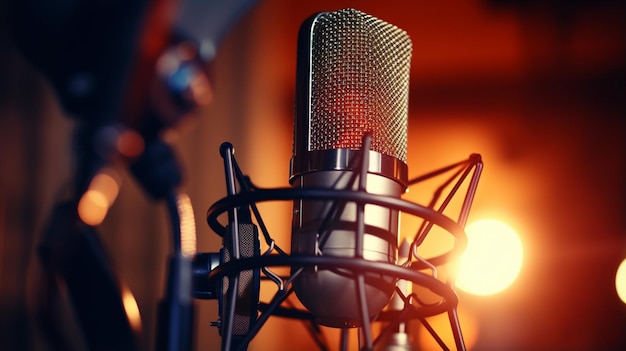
(352, 80)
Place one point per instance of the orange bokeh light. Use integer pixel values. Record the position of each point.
(96, 201)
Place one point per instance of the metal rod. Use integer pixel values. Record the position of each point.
(343, 341)
(280, 296)
(456, 329)
(358, 247)
(434, 334)
(471, 191)
(226, 151)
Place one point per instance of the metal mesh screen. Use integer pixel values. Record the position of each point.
(247, 299)
(360, 77)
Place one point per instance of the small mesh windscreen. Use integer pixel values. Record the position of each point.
(248, 284)
(359, 83)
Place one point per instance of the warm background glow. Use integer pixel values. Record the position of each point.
(492, 260)
(620, 281)
(536, 87)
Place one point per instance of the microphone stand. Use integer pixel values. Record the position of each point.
(176, 309)
(90, 66)
(157, 170)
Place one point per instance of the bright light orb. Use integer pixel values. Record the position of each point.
(620, 281)
(492, 260)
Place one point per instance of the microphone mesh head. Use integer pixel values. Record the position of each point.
(359, 83)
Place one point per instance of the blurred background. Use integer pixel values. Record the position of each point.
(537, 87)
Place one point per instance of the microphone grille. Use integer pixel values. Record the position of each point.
(360, 68)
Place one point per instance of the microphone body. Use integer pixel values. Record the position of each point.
(331, 294)
(352, 80)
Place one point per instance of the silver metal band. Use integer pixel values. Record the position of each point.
(347, 159)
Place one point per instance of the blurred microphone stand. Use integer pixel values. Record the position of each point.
(154, 165)
(180, 86)
(124, 75)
